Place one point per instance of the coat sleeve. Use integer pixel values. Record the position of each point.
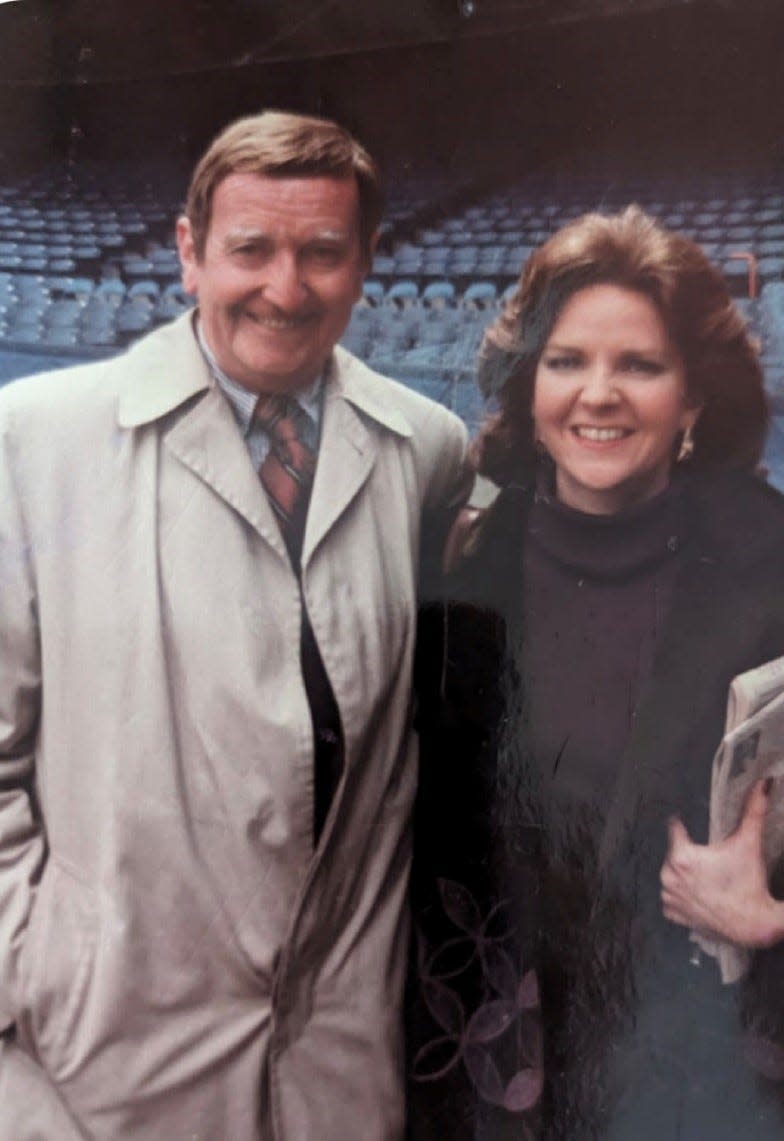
(22, 844)
(450, 485)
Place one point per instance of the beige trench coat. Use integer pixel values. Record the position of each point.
(177, 960)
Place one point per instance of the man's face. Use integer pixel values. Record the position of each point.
(281, 270)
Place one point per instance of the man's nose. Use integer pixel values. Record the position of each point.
(283, 283)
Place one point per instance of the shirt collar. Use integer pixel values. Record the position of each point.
(165, 369)
(244, 401)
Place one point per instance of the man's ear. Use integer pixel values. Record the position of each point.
(189, 262)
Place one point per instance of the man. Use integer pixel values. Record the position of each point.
(208, 550)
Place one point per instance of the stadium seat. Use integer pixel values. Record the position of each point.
(24, 335)
(99, 336)
(149, 289)
(373, 292)
(770, 268)
(172, 302)
(481, 295)
(383, 264)
(439, 295)
(62, 314)
(402, 294)
(134, 317)
(60, 336)
(112, 289)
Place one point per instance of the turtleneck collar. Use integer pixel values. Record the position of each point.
(608, 546)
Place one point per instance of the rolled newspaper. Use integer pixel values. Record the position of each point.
(751, 749)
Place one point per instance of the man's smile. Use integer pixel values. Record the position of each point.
(280, 324)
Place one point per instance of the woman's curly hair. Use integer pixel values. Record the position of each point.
(630, 250)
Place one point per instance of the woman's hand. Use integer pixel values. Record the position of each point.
(721, 889)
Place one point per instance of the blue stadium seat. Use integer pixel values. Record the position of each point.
(62, 315)
(99, 336)
(173, 301)
(24, 335)
(770, 268)
(438, 327)
(383, 264)
(149, 289)
(133, 319)
(61, 265)
(60, 336)
(112, 290)
(439, 295)
(373, 292)
(481, 295)
(402, 294)
(21, 315)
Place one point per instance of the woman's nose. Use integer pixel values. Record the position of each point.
(600, 386)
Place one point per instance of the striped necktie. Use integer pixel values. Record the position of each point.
(288, 469)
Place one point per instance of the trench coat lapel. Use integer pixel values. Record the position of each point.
(170, 379)
(206, 440)
(349, 445)
(347, 453)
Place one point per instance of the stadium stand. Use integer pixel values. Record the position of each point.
(88, 264)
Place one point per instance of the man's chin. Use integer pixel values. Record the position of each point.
(270, 375)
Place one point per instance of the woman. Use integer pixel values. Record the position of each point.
(631, 565)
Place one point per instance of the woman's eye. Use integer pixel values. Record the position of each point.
(562, 363)
(643, 367)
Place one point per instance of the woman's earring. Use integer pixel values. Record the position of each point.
(687, 446)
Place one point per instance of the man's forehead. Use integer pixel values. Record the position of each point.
(249, 231)
(322, 193)
(261, 204)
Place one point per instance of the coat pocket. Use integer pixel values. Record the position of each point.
(58, 965)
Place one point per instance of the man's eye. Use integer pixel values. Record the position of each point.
(325, 255)
(249, 251)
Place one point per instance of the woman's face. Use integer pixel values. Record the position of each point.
(610, 400)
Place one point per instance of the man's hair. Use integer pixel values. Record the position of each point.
(279, 144)
(632, 251)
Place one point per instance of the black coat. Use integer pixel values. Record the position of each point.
(640, 1042)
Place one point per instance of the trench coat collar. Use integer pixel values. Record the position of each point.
(167, 369)
(369, 393)
(162, 372)
(357, 403)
